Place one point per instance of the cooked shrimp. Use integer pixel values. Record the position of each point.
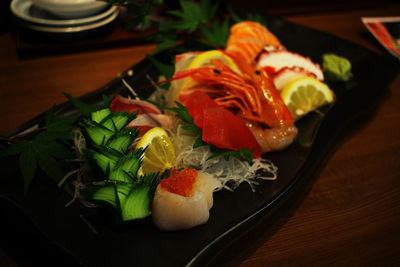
(249, 93)
(247, 39)
(272, 139)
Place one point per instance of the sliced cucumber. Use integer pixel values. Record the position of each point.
(137, 204)
(108, 152)
(109, 142)
(122, 140)
(96, 132)
(126, 168)
(123, 190)
(105, 163)
(107, 194)
(99, 115)
(117, 120)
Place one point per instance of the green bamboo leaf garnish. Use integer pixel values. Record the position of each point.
(166, 70)
(83, 107)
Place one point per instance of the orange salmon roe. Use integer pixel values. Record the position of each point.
(180, 182)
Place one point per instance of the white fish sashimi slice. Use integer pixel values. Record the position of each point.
(127, 104)
(153, 120)
(182, 62)
(286, 75)
(282, 58)
(172, 212)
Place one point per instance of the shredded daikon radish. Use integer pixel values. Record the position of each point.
(230, 172)
(83, 173)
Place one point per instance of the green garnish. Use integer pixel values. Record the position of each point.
(44, 150)
(140, 10)
(248, 17)
(130, 200)
(192, 15)
(108, 150)
(216, 34)
(197, 19)
(336, 68)
(183, 113)
(166, 70)
(81, 106)
(188, 19)
(241, 154)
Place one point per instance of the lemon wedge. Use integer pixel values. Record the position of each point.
(160, 152)
(306, 94)
(204, 59)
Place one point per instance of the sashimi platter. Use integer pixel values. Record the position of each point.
(200, 154)
(229, 111)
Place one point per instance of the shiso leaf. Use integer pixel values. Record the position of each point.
(241, 154)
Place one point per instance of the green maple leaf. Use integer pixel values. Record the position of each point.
(193, 14)
(216, 34)
(44, 149)
(248, 17)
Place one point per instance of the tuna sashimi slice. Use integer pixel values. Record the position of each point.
(196, 103)
(225, 130)
(220, 126)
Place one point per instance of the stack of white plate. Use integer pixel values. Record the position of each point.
(63, 16)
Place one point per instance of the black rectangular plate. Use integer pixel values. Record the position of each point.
(40, 229)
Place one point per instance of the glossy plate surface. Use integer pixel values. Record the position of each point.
(64, 231)
(72, 29)
(27, 11)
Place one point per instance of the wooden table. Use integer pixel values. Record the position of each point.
(350, 214)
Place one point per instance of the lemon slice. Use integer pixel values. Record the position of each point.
(160, 152)
(204, 59)
(306, 94)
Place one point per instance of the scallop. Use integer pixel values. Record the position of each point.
(172, 212)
